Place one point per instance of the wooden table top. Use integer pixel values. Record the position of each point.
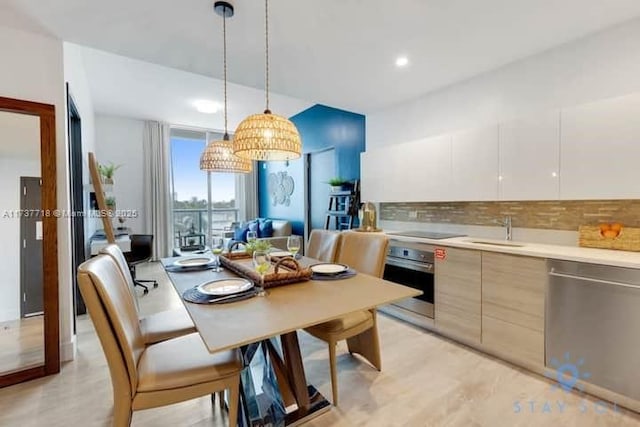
(285, 308)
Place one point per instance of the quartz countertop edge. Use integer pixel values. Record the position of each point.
(567, 253)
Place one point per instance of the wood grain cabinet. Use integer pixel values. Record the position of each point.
(458, 278)
(513, 289)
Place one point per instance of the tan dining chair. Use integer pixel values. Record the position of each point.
(156, 375)
(366, 253)
(155, 327)
(323, 245)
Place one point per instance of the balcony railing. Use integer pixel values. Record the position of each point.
(185, 220)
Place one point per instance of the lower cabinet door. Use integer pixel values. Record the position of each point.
(513, 342)
(458, 293)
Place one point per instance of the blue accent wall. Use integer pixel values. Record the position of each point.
(321, 127)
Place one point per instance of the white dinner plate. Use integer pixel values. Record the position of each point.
(328, 268)
(193, 261)
(280, 253)
(225, 286)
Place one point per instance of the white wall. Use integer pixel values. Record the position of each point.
(32, 69)
(76, 76)
(119, 140)
(603, 65)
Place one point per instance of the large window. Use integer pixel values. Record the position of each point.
(192, 187)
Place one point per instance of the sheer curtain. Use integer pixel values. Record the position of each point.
(247, 194)
(157, 187)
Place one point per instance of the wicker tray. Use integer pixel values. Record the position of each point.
(627, 239)
(287, 270)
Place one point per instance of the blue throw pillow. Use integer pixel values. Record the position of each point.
(255, 227)
(240, 233)
(266, 228)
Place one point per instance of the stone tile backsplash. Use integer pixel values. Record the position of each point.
(549, 215)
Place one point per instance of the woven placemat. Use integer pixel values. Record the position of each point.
(344, 275)
(197, 297)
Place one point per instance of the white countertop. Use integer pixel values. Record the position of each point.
(567, 253)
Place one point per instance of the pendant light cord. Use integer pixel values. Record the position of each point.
(224, 54)
(266, 50)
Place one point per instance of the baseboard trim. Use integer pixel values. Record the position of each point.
(68, 350)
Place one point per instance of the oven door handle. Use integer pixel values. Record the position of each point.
(425, 267)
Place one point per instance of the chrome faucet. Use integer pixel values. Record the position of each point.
(507, 224)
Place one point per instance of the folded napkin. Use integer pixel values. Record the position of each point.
(179, 269)
(195, 296)
(339, 276)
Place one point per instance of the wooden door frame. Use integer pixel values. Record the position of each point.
(47, 116)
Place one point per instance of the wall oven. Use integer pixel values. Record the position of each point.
(411, 264)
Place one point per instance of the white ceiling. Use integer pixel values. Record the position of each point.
(336, 52)
(126, 87)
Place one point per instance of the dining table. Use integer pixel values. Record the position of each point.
(279, 313)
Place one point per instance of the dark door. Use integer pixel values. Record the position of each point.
(77, 200)
(31, 283)
(321, 170)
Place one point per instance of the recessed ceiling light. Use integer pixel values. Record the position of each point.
(207, 107)
(402, 61)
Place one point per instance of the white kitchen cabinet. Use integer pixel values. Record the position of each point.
(415, 171)
(427, 163)
(530, 158)
(474, 167)
(376, 175)
(600, 150)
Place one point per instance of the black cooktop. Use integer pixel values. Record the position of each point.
(426, 234)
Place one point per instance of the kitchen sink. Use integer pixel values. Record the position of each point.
(496, 243)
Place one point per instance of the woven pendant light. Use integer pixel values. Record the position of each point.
(267, 136)
(218, 155)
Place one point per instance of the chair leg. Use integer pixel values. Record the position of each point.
(139, 283)
(234, 401)
(367, 344)
(155, 282)
(122, 412)
(333, 366)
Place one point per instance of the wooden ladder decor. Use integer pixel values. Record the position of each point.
(102, 204)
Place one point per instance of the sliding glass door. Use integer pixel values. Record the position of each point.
(194, 190)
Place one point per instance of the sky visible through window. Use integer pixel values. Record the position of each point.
(189, 181)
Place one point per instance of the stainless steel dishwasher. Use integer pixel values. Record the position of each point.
(593, 325)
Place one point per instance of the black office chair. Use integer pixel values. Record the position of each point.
(141, 251)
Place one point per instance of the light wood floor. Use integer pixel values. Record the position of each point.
(426, 381)
(21, 344)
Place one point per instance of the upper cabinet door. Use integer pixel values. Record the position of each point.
(373, 173)
(600, 150)
(475, 164)
(427, 163)
(417, 171)
(529, 158)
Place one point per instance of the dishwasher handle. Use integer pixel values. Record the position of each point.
(589, 279)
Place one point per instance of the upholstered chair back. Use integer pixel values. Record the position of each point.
(113, 311)
(115, 252)
(364, 252)
(323, 245)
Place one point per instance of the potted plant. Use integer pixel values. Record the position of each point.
(110, 201)
(340, 184)
(257, 245)
(107, 172)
